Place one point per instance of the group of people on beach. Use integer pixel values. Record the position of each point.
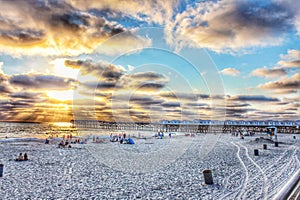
(242, 133)
(117, 138)
(67, 143)
(161, 135)
(97, 140)
(64, 143)
(121, 138)
(21, 157)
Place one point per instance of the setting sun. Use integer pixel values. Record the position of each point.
(61, 95)
(61, 70)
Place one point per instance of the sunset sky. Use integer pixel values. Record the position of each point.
(149, 60)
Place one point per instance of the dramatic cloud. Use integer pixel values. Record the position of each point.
(285, 85)
(149, 11)
(5, 87)
(101, 70)
(27, 95)
(230, 72)
(257, 98)
(38, 81)
(150, 86)
(58, 28)
(144, 81)
(145, 100)
(147, 76)
(268, 73)
(197, 105)
(232, 25)
(101, 86)
(237, 105)
(171, 104)
(115, 76)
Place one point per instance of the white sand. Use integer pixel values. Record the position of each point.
(152, 168)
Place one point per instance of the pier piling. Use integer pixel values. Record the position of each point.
(1, 169)
(208, 179)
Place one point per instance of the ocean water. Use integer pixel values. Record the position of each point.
(35, 130)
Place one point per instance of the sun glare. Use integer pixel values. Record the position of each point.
(61, 95)
(62, 124)
(61, 70)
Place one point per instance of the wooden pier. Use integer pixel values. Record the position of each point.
(210, 127)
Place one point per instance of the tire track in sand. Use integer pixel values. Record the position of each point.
(264, 189)
(238, 194)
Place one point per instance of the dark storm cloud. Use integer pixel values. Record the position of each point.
(175, 111)
(203, 96)
(231, 111)
(81, 21)
(151, 86)
(171, 104)
(270, 15)
(281, 103)
(21, 36)
(116, 77)
(100, 69)
(27, 95)
(10, 105)
(146, 101)
(258, 98)
(75, 21)
(238, 105)
(197, 104)
(144, 81)
(112, 72)
(37, 81)
(148, 76)
(292, 109)
(100, 85)
(286, 113)
(235, 25)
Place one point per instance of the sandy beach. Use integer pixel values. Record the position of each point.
(169, 168)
